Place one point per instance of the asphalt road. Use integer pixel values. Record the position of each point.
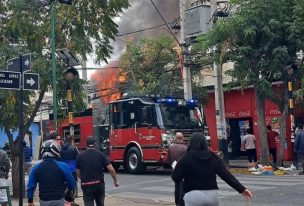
(156, 188)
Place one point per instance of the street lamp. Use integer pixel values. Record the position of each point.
(53, 47)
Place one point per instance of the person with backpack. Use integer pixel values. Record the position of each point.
(56, 183)
(198, 168)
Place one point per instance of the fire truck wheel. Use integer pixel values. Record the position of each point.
(133, 161)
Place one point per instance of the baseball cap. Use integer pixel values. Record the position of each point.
(90, 142)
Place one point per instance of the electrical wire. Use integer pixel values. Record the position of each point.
(141, 30)
(165, 22)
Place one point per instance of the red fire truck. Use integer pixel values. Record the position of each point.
(136, 131)
(83, 127)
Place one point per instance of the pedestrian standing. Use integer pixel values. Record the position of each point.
(249, 142)
(27, 152)
(68, 155)
(294, 165)
(199, 168)
(272, 137)
(175, 152)
(90, 165)
(4, 171)
(299, 146)
(53, 177)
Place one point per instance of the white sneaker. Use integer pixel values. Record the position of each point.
(252, 169)
(292, 167)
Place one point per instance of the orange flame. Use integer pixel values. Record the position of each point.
(106, 80)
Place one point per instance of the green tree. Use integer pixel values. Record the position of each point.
(83, 28)
(262, 38)
(152, 66)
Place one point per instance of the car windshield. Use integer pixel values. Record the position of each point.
(177, 116)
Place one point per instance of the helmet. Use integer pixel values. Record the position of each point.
(50, 148)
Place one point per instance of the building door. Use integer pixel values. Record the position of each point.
(237, 131)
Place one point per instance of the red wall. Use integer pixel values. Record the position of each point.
(240, 104)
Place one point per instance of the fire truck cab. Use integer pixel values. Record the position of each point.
(140, 129)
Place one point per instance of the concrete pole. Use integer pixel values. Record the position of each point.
(85, 78)
(219, 101)
(185, 53)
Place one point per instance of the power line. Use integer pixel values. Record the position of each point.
(141, 30)
(165, 22)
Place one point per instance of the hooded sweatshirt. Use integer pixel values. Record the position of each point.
(68, 155)
(199, 170)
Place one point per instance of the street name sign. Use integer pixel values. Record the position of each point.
(10, 80)
(30, 81)
(14, 64)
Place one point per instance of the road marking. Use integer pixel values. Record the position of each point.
(140, 183)
(147, 196)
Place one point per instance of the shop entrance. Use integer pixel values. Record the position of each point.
(237, 129)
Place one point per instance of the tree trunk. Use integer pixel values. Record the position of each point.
(15, 169)
(15, 147)
(262, 135)
(282, 121)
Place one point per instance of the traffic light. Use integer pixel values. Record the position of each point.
(290, 95)
(68, 2)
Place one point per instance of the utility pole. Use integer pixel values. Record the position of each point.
(185, 53)
(54, 65)
(219, 99)
(85, 78)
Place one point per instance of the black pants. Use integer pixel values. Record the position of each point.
(273, 152)
(93, 193)
(76, 186)
(179, 193)
(251, 154)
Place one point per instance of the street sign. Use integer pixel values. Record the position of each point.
(30, 81)
(26, 61)
(14, 64)
(10, 80)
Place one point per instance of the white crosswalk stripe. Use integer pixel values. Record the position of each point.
(165, 192)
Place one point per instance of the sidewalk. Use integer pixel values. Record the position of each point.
(244, 163)
(109, 201)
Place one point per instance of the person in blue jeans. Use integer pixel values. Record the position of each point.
(53, 177)
(299, 146)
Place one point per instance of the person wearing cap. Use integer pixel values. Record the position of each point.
(90, 165)
(53, 177)
(175, 152)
